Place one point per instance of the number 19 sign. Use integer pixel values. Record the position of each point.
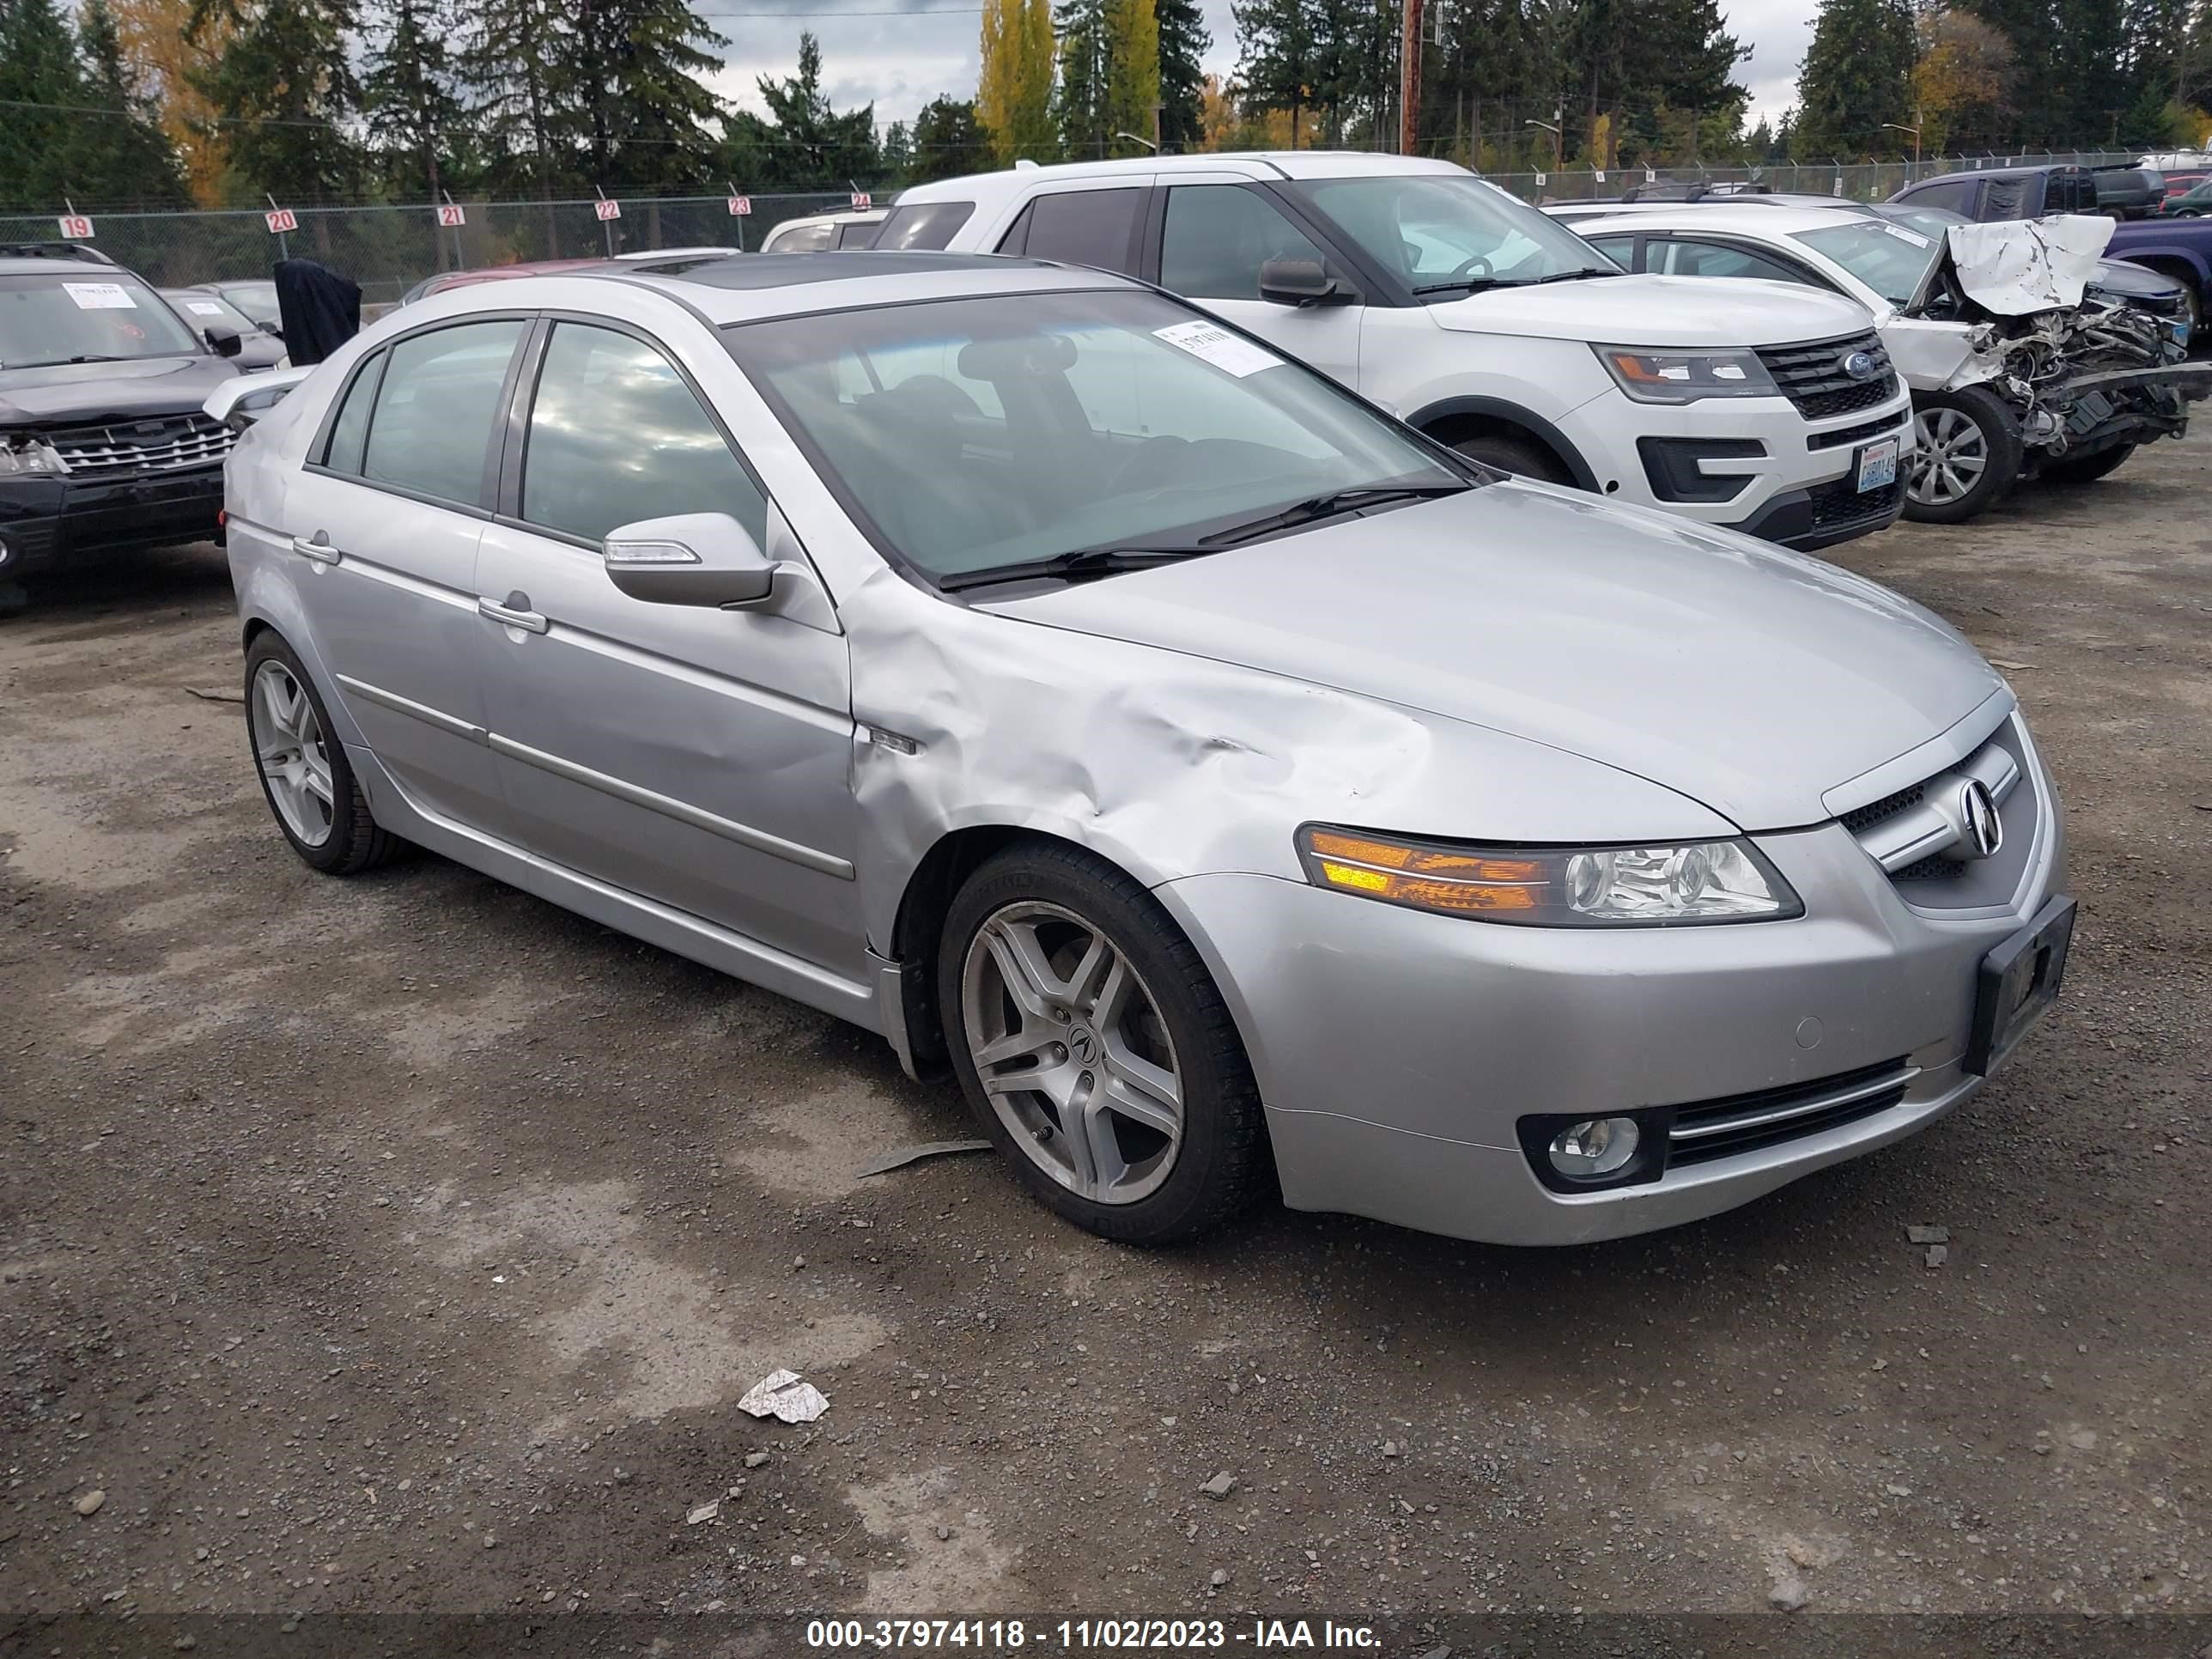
(75, 227)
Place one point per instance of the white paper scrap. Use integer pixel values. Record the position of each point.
(1905, 235)
(784, 1396)
(1229, 352)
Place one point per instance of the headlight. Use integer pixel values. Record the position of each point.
(1684, 377)
(33, 456)
(1553, 886)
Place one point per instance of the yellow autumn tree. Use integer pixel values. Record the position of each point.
(152, 34)
(1960, 80)
(1013, 100)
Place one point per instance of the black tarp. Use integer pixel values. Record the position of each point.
(319, 309)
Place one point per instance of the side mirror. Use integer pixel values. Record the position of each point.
(1301, 283)
(692, 559)
(224, 342)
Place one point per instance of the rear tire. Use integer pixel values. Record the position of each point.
(2089, 469)
(1517, 456)
(1095, 1049)
(1968, 458)
(305, 776)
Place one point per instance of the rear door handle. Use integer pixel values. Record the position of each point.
(514, 614)
(317, 547)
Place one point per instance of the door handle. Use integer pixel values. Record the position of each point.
(516, 614)
(317, 547)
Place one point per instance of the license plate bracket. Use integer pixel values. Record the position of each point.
(2016, 984)
(1875, 464)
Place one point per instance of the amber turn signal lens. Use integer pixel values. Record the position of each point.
(1427, 877)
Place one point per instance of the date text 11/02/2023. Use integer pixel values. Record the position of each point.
(1087, 1635)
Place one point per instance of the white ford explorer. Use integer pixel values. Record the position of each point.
(1758, 406)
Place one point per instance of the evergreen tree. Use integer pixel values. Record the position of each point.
(1857, 75)
(514, 53)
(804, 145)
(1132, 73)
(1278, 58)
(634, 76)
(1183, 42)
(1079, 105)
(1014, 99)
(948, 141)
(407, 96)
(38, 71)
(285, 83)
(125, 156)
(896, 154)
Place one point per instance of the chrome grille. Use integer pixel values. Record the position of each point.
(1744, 1123)
(1812, 376)
(174, 444)
(1914, 833)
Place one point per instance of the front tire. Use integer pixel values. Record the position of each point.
(305, 776)
(2087, 469)
(1095, 1049)
(1968, 458)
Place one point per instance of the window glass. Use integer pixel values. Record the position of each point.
(1955, 195)
(93, 312)
(1086, 227)
(860, 233)
(1890, 258)
(615, 435)
(924, 225)
(2008, 198)
(1622, 250)
(807, 239)
(1217, 236)
(351, 427)
(1439, 233)
(982, 448)
(437, 407)
(1676, 256)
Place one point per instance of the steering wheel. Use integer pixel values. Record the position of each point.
(1466, 270)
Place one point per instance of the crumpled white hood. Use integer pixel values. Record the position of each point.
(2022, 266)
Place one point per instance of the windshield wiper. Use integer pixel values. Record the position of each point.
(64, 362)
(1074, 566)
(1324, 507)
(1477, 284)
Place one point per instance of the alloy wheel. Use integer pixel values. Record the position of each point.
(1953, 455)
(287, 742)
(1070, 1050)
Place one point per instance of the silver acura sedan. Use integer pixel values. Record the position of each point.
(1231, 787)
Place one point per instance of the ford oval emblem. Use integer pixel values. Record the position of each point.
(1860, 366)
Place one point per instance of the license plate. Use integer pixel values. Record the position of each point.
(2018, 982)
(1877, 465)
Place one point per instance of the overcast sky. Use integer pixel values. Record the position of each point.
(900, 54)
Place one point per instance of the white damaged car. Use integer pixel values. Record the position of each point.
(2018, 367)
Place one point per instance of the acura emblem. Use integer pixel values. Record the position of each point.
(1084, 1042)
(1860, 364)
(1981, 832)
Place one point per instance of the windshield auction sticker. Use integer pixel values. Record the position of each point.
(1229, 352)
(101, 296)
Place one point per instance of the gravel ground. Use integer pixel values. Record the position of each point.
(406, 1243)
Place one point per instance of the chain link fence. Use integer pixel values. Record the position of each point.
(387, 250)
(1864, 181)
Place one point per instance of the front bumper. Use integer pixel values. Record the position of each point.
(1788, 472)
(45, 521)
(1396, 1051)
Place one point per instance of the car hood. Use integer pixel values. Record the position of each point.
(1657, 310)
(1730, 670)
(89, 394)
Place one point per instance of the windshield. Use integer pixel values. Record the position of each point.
(210, 310)
(1441, 233)
(1892, 259)
(255, 298)
(971, 434)
(68, 317)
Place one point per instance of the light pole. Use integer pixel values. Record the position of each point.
(1899, 126)
(1133, 139)
(1554, 131)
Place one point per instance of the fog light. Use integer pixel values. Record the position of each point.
(1595, 1147)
